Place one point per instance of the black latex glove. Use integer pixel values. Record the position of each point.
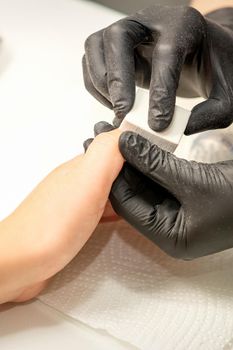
(159, 48)
(186, 208)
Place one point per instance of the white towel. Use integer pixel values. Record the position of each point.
(123, 284)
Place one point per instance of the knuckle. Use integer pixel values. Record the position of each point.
(171, 51)
(94, 78)
(195, 19)
(115, 30)
(91, 39)
(191, 12)
(100, 82)
(164, 48)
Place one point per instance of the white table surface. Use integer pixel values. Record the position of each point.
(45, 116)
(33, 326)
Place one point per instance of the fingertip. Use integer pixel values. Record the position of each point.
(123, 102)
(117, 121)
(131, 145)
(127, 139)
(207, 115)
(157, 121)
(103, 161)
(194, 128)
(196, 123)
(158, 124)
(190, 130)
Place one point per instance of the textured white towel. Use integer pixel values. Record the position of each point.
(123, 284)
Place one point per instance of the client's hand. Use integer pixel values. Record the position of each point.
(54, 222)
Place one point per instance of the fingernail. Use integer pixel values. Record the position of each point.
(102, 126)
(87, 143)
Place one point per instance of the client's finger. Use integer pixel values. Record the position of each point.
(100, 166)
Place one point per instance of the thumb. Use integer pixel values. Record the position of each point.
(211, 114)
(100, 166)
(162, 167)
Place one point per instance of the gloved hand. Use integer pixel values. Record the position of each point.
(186, 208)
(160, 48)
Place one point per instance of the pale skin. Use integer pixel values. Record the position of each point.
(53, 223)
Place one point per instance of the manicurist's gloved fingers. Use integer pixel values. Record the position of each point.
(90, 86)
(95, 59)
(102, 126)
(167, 61)
(120, 40)
(162, 167)
(214, 113)
(170, 50)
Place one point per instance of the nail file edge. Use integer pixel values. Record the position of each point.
(137, 121)
(150, 136)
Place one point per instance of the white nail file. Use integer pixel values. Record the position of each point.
(137, 121)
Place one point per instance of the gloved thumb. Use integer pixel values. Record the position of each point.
(162, 167)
